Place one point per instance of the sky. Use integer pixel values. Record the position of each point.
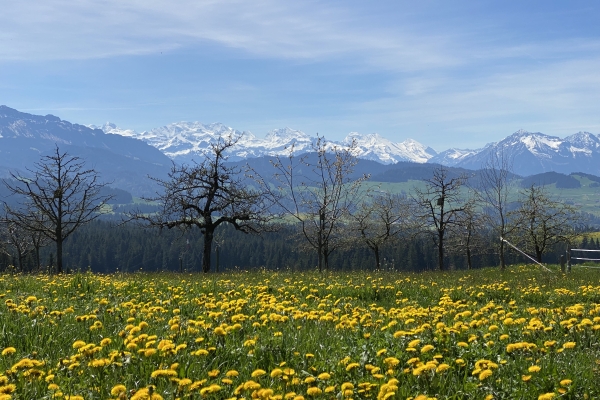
(445, 73)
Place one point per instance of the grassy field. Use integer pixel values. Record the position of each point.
(521, 334)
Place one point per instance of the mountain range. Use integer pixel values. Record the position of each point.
(528, 152)
(185, 141)
(126, 158)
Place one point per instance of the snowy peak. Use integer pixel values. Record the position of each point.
(583, 140)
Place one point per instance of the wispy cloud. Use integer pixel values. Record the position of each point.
(58, 29)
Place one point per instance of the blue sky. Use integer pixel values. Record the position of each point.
(445, 73)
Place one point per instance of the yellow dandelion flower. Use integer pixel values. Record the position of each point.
(8, 389)
(565, 382)
(442, 367)
(313, 391)
(546, 396)
(568, 345)
(525, 378)
(219, 331)
(485, 374)
(214, 373)
(351, 366)
(8, 351)
(534, 368)
(324, 376)
(78, 344)
(427, 348)
(117, 390)
(166, 373)
(258, 372)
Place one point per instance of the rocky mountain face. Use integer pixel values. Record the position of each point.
(123, 161)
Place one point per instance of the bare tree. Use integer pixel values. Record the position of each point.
(206, 195)
(493, 191)
(468, 235)
(544, 222)
(440, 204)
(380, 219)
(60, 197)
(318, 191)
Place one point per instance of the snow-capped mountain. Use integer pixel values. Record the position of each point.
(185, 141)
(534, 152)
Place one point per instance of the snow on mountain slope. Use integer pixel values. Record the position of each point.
(185, 141)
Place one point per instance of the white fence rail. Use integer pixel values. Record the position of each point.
(574, 254)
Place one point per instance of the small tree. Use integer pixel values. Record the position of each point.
(318, 191)
(60, 197)
(439, 205)
(544, 222)
(380, 219)
(206, 195)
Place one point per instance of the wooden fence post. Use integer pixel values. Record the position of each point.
(562, 263)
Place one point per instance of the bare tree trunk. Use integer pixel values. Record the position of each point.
(37, 257)
(20, 257)
(502, 261)
(469, 263)
(441, 250)
(326, 255)
(208, 239)
(376, 250)
(59, 254)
